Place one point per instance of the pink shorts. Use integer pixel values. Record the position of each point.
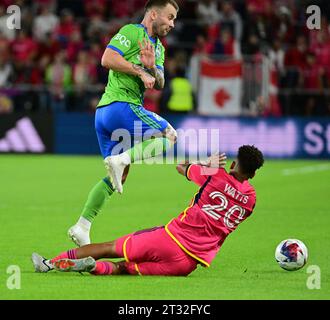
(153, 252)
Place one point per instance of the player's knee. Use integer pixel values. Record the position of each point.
(120, 268)
(171, 134)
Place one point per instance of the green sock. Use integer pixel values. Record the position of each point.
(96, 199)
(149, 149)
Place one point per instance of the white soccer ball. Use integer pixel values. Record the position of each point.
(291, 254)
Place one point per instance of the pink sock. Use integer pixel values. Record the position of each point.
(71, 254)
(103, 268)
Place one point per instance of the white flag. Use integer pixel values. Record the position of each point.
(220, 88)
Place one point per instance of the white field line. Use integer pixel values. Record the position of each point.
(306, 169)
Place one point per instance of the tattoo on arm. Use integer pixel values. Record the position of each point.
(139, 69)
(158, 74)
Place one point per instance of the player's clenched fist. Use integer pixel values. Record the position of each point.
(148, 80)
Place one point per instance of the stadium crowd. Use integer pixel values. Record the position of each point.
(53, 62)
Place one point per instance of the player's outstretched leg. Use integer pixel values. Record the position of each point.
(89, 264)
(83, 260)
(76, 265)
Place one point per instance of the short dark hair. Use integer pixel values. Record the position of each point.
(160, 4)
(249, 159)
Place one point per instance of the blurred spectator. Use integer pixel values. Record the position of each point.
(121, 9)
(204, 45)
(230, 19)
(314, 80)
(6, 72)
(226, 45)
(95, 8)
(4, 47)
(96, 52)
(84, 71)
(8, 33)
(252, 46)
(207, 12)
(84, 74)
(295, 60)
(66, 27)
(296, 56)
(178, 97)
(58, 76)
(96, 27)
(314, 37)
(312, 74)
(74, 45)
(24, 48)
(263, 7)
(27, 15)
(282, 25)
(49, 47)
(276, 56)
(44, 24)
(321, 48)
(26, 72)
(50, 4)
(276, 27)
(259, 25)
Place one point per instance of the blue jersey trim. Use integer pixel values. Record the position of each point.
(201, 190)
(160, 67)
(116, 49)
(153, 40)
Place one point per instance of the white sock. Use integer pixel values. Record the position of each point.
(84, 223)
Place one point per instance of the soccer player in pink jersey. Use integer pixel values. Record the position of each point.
(222, 202)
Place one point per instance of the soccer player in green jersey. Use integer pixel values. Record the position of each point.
(135, 57)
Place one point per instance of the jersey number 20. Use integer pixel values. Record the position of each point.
(214, 210)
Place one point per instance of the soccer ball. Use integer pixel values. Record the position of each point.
(291, 254)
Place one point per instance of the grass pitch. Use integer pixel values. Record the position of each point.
(42, 196)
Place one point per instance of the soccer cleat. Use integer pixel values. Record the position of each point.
(76, 265)
(115, 166)
(40, 263)
(79, 235)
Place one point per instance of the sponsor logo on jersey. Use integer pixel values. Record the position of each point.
(123, 40)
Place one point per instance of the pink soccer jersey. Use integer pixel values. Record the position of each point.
(220, 205)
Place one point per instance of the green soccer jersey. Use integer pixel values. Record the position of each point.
(125, 87)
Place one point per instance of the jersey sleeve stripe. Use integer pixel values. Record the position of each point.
(187, 171)
(202, 189)
(115, 49)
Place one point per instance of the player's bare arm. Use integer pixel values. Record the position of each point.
(182, 168)
(214, 161)
(114, 61)
(147, 57)
(158, 74)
